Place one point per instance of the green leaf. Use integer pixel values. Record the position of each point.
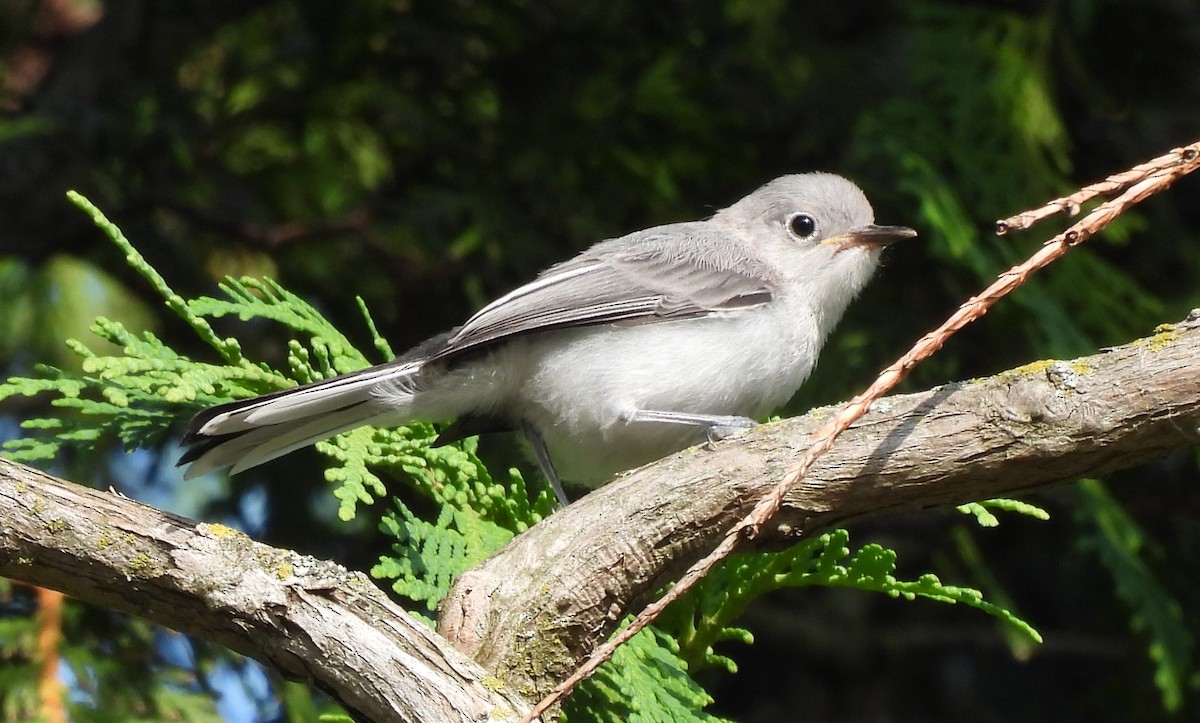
(1121, 544)
(646, 681)
(704, 615)
(985, 518)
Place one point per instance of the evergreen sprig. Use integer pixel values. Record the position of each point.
(1122, 546)
(704, 616)
(982, 511)
(646, 681)
(429, 556)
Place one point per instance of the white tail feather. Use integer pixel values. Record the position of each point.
(305, 401)
(303, 433)
(263, 444)
(249, 433)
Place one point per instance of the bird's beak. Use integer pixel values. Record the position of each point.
(872, 237)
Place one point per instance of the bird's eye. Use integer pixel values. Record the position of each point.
(802, 225)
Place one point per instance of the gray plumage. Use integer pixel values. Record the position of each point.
(636, 348)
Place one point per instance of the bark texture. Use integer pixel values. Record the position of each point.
(311, 620)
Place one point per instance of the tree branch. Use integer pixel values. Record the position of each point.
(541, 604)
(311, 620)
(538, 606)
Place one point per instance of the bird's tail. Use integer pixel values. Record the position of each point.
(249, 432)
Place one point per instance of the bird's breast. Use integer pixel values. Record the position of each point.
(583, 383)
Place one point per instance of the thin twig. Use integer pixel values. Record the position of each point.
(1140, 182)
(1070, 205)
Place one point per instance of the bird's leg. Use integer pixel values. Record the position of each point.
(543, 459)
(716, 426)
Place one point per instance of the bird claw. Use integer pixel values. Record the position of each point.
(728, 428)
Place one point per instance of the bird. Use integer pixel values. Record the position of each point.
(634, 349)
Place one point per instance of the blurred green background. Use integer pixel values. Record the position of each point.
(428, 156)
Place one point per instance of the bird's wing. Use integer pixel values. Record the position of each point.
(677, 272)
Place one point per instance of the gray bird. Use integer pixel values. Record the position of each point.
(636, 348)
